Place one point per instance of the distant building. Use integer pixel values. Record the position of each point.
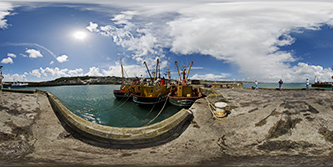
(195, 82)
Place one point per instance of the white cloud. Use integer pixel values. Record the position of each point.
(14, 77)
(247, 33)
(51, 62)
(23, 55)
(197, 68)
(62, 58)
(138, 39)
(222, 77)
(302, 71)
(93, 27)
(76, 72)
(4, 11)
(7, 60)
(34, 53)
(94, 71)
(35, 73)
(124, 17)
(56, 72)
(11, 55)
(32, 44)
(129, 70)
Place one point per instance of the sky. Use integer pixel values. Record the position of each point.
(230, 40)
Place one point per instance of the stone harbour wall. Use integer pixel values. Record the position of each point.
(115, 135)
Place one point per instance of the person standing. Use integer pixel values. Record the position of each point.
(256, 83)
(280, 84)
(307, 84)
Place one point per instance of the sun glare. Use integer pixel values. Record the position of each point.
(80, 35)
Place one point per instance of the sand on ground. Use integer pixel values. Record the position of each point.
(263, 127)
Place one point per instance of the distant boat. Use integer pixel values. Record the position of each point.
(322, 84)
(184, 95)
(16, 84)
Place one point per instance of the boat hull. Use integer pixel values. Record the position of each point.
(324, 85)
(149, 100)
(15, 86)
(182, 102)
(120, 95)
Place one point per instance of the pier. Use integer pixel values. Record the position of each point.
(262, 127)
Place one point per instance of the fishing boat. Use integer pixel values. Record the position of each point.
(322, 84)
(126, 89)
(184, 95)
(151, 94)
(154, 92)
(16, 84)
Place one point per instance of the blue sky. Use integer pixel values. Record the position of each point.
(226, 40)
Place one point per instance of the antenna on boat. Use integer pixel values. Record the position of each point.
(156, 68)
(189, 69)
(180, 77)
(148, 71)
(169, 76)
(122, 71)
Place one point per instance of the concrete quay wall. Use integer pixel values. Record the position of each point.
(154, 133)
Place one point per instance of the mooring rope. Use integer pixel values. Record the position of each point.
(157, 114)
(141, 118)
(119, 105)
(210, 106)
(217, 92)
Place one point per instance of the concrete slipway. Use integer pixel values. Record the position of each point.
(263, 127)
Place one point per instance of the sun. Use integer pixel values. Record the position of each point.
(80, 35)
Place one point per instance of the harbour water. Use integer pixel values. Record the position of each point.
(96, 103)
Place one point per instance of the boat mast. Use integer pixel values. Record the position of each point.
(189, 69)
(169, 76)
(156, 68)
(180, 77)
(122, 71)
(148, 71)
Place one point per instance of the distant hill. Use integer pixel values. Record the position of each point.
(81, 80)
(94, 80)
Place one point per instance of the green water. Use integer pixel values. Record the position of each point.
(96, 103)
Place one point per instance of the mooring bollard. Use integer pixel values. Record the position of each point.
(220, 109)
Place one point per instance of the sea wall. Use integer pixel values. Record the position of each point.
(154, 133)
(18, 91)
